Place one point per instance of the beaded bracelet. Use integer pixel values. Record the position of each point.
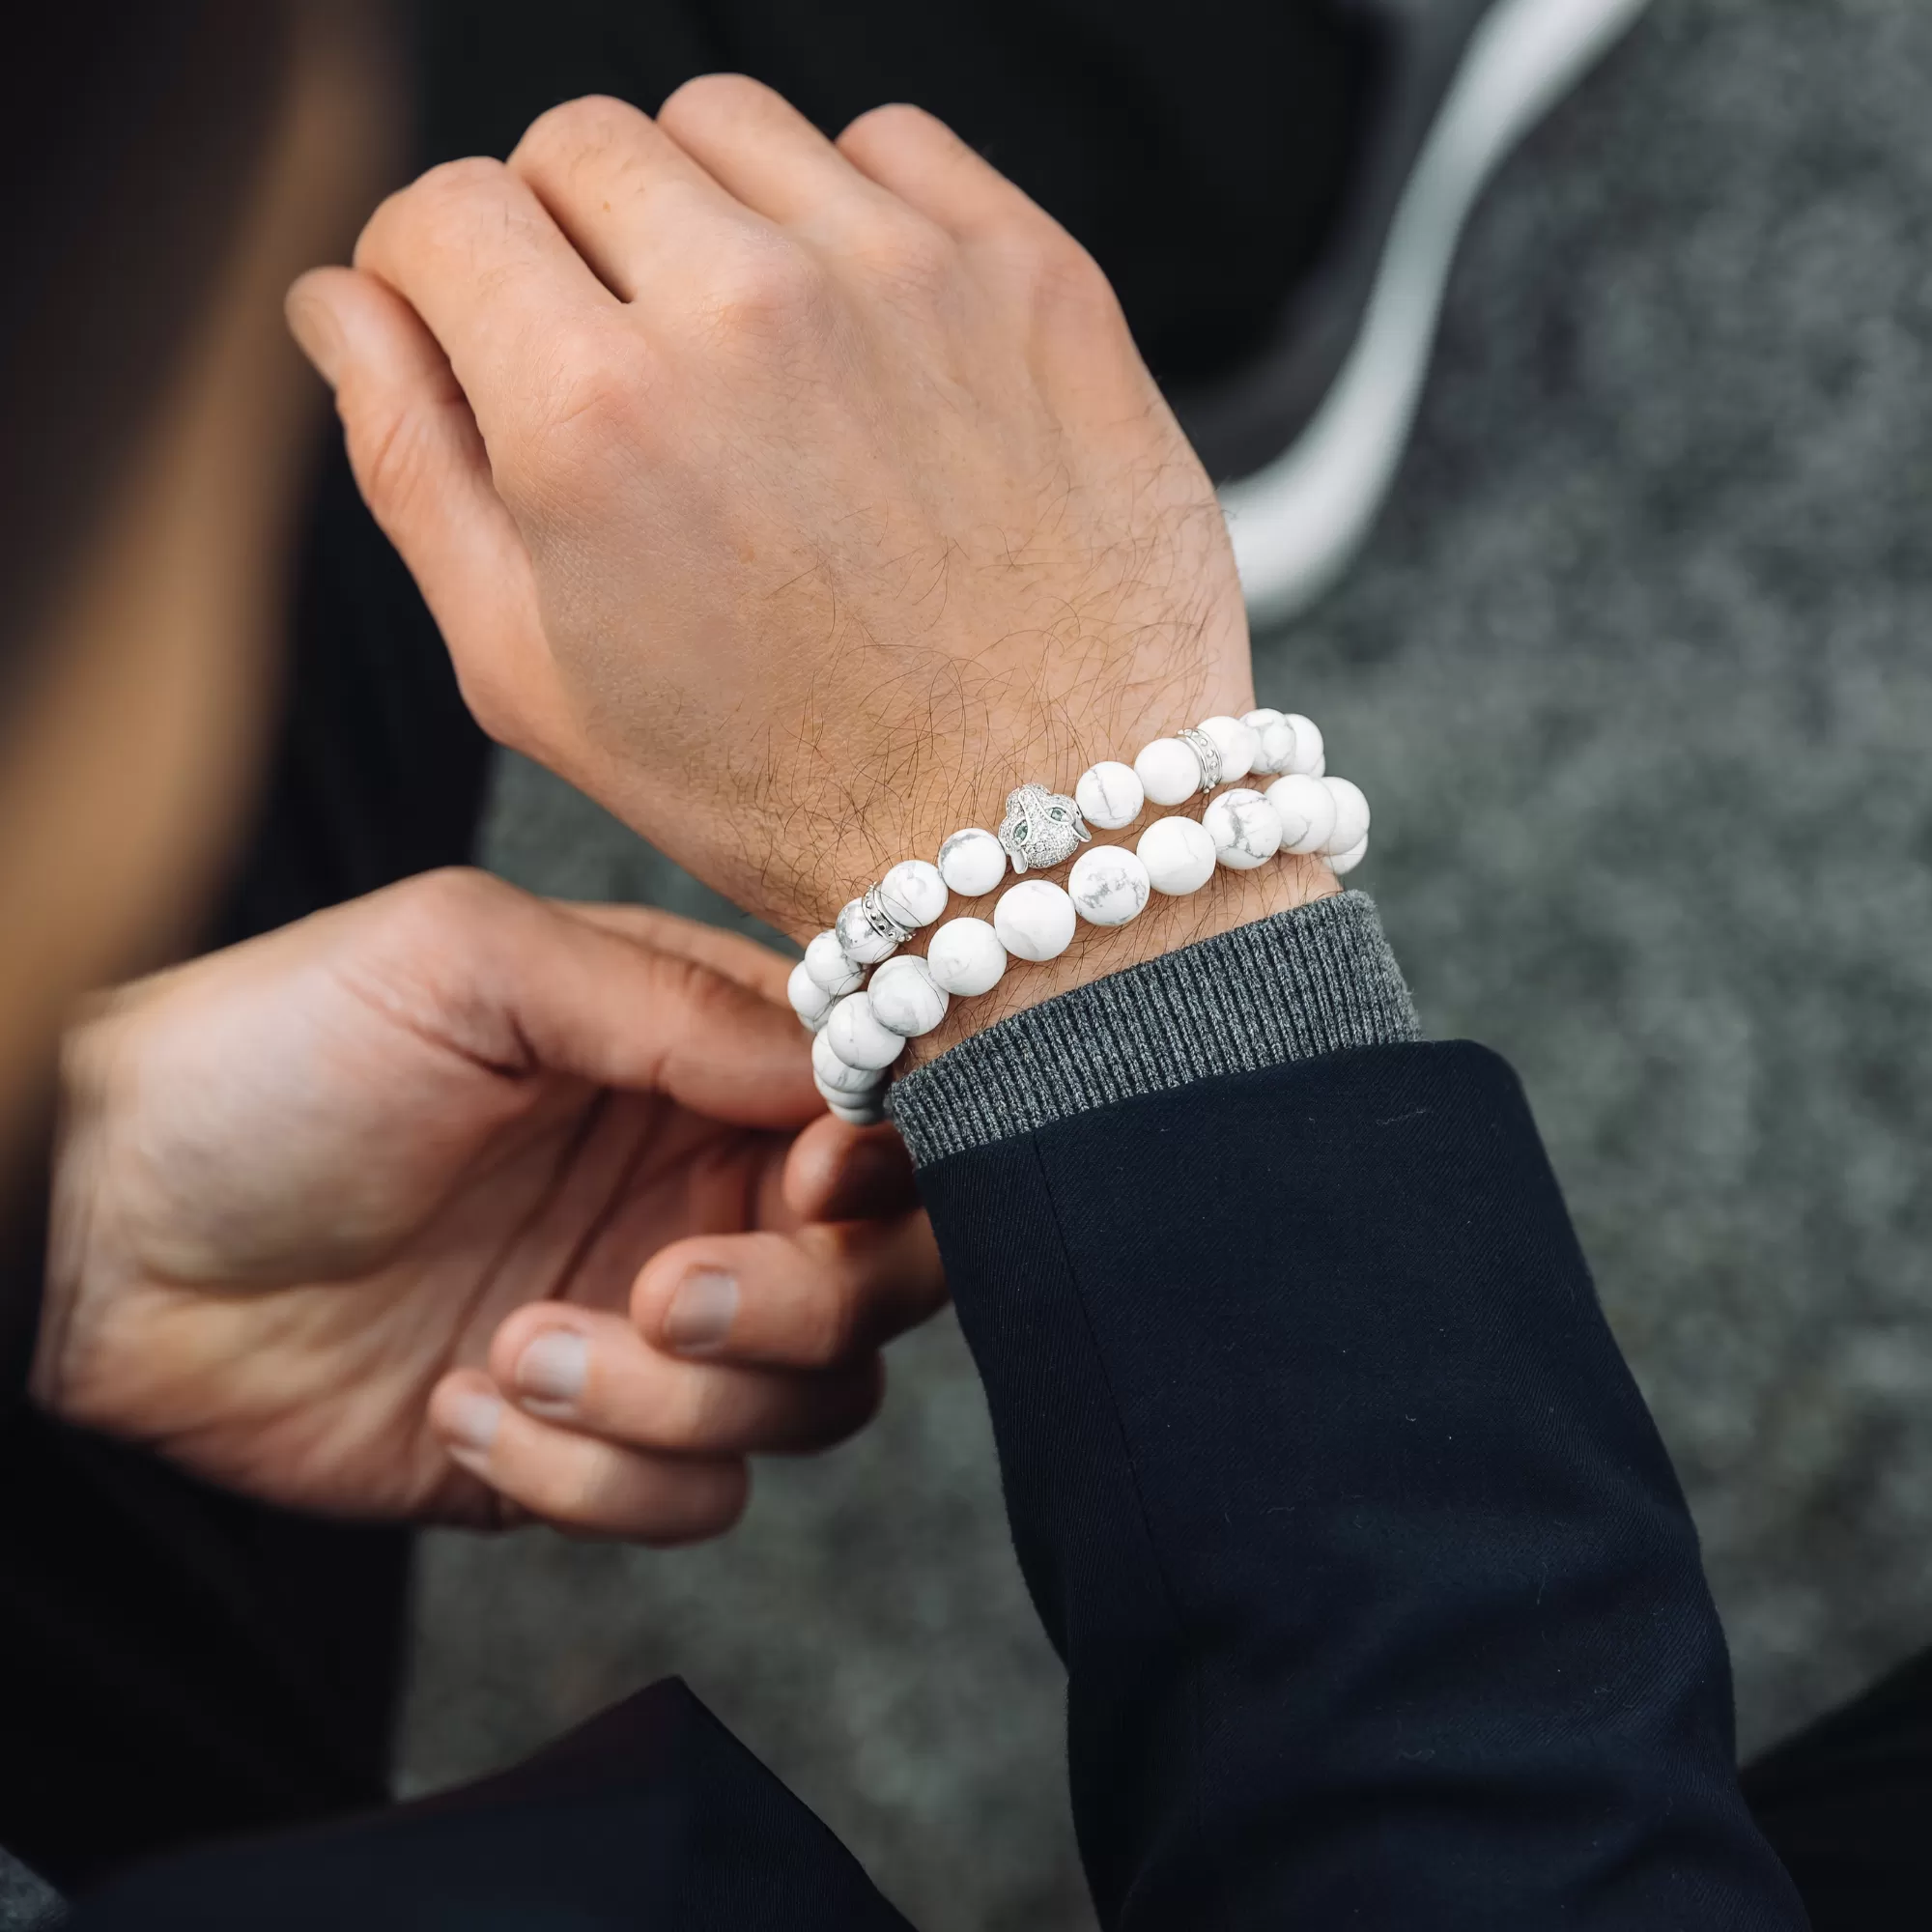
(861, 1031)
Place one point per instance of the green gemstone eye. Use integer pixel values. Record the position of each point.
(1021, 831)
(1058, 811)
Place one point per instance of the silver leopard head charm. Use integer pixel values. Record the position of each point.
(1041, 827)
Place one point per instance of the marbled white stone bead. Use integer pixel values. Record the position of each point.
(809, 1001)
(1342, 864)
(826, 963)
(972, 862)
(1035, 920)
(1169, 771)
(1266, 754)
(1309, 756)
(1245, 828)
(1306, 808)
(1179, 854)
(1352, 815)
(913, 892)
(857, 1038)
(865, 1114)
(965, 957)
(837, 1079)
(1237, 743)
(857, 939)
(1108, 885)
(905, 998)
(1110, 794)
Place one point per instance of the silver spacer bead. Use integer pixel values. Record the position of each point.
(1207, 752)
(873, 907)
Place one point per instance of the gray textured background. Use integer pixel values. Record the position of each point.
(1639, 673)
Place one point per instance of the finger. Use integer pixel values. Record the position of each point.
(763, 149)
(478, 257)
(839, 1173)
(823, 1296)
(919, 158)
(520, 985)
(422, 467)
(627, 195)
(730, 953)
(581, 1483)
(584, 1368)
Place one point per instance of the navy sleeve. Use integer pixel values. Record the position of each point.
(1379, 1600)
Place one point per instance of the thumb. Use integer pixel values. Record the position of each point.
(420, 464)
(613, 1009)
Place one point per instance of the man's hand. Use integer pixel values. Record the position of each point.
(795, 498)
(453, 1203)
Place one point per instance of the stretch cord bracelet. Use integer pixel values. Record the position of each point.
(862, 1030)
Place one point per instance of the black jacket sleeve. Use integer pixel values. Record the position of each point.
(1381, 1602)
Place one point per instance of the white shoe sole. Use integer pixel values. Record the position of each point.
(1299, 523)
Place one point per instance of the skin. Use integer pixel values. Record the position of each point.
(794, 498)
(316, 1198)
(320, 1196)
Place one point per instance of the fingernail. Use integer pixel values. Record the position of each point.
(471, 1421)
(701, 1311)
(554, 1366)
(313, 325)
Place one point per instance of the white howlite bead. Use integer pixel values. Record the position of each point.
(1245, 828)
(837, 1078)
(1352, 815)
(1035, 921)
(1237, 743)
(867, 1114)
(972, 862)
(913, 892)
(826, 963)
(1306, 808)
(809, 1001)
(965, 956)
(905, 1000)
(857, 1038)
(1308, 746)
(1179, 854)
(1108, 885)
(1342, 862)
(1110, 795)
(1277, 753)
(1258, 721)
(1169, 772)
(857, 940)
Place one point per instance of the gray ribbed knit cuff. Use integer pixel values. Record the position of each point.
(1302, 983)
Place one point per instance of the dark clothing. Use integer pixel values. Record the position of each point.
(1380, 1602)
(176, 1663)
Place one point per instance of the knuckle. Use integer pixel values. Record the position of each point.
(573, 128)
(709, 97)
(765, 286)
(1061, 274)
(450, 896)
(588, 406)
(892, 129)
(913, 257)
(456, 180)
(392, 450)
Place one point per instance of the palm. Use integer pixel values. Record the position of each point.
(282, 1273)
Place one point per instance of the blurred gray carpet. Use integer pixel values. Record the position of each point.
(1638, 674)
